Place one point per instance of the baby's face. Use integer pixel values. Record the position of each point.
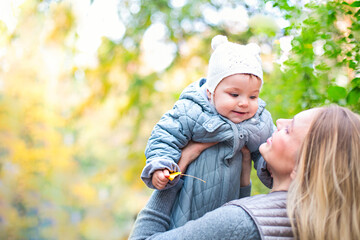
(236, 97)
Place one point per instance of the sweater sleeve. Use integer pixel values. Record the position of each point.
(226, 222)
(245, 191)
(154, 218)
(169, 136)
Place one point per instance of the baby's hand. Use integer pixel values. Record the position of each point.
(160, 178)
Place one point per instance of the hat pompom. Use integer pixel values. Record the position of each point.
(218, 40)
(254, 48)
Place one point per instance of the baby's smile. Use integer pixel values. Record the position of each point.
(241, 113)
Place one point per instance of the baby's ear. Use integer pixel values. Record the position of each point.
(208, 93)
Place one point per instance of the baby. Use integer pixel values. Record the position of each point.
(225, 108)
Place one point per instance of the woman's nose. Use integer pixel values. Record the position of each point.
(280, 123)
(283, 123)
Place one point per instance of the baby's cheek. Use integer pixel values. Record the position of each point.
(254, 108)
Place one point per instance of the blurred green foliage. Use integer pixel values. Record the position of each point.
(72, 136)
(325, 49)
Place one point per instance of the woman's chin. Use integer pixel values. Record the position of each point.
(262, 149)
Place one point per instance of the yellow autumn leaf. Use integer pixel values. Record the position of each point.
(173, 175)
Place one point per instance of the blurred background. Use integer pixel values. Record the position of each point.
(83, 82)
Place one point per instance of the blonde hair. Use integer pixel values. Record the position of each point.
(324, 198)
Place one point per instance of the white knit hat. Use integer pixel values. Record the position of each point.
(231, 58)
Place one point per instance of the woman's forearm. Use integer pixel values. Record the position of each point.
(245, 176)
(191, 152)
(246, 167)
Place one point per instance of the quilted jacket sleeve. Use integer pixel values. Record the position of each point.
(263, 174)
(169, 136)
(259, 162)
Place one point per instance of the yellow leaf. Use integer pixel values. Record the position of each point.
(173, 175)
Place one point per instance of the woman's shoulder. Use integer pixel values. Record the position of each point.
(239, 224)
(269, 213)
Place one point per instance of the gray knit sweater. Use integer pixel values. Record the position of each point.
(227, 222)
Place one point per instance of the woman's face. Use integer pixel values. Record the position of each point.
(280, 150)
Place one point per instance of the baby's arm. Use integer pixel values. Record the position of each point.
(188, 154)
(169, 136)
(259, 162)
(185, 122)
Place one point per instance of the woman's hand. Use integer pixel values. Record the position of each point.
(191, 152)
(246, 167)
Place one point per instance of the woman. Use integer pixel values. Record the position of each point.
(324, 198)
(240, 219)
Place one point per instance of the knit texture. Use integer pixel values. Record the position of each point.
(231, 58)
(228, 222)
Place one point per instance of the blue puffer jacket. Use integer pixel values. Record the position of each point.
(194, 118)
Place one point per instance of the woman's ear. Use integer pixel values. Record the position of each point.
(293, 174)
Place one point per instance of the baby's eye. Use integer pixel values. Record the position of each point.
(253, 97)
(234, 94)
